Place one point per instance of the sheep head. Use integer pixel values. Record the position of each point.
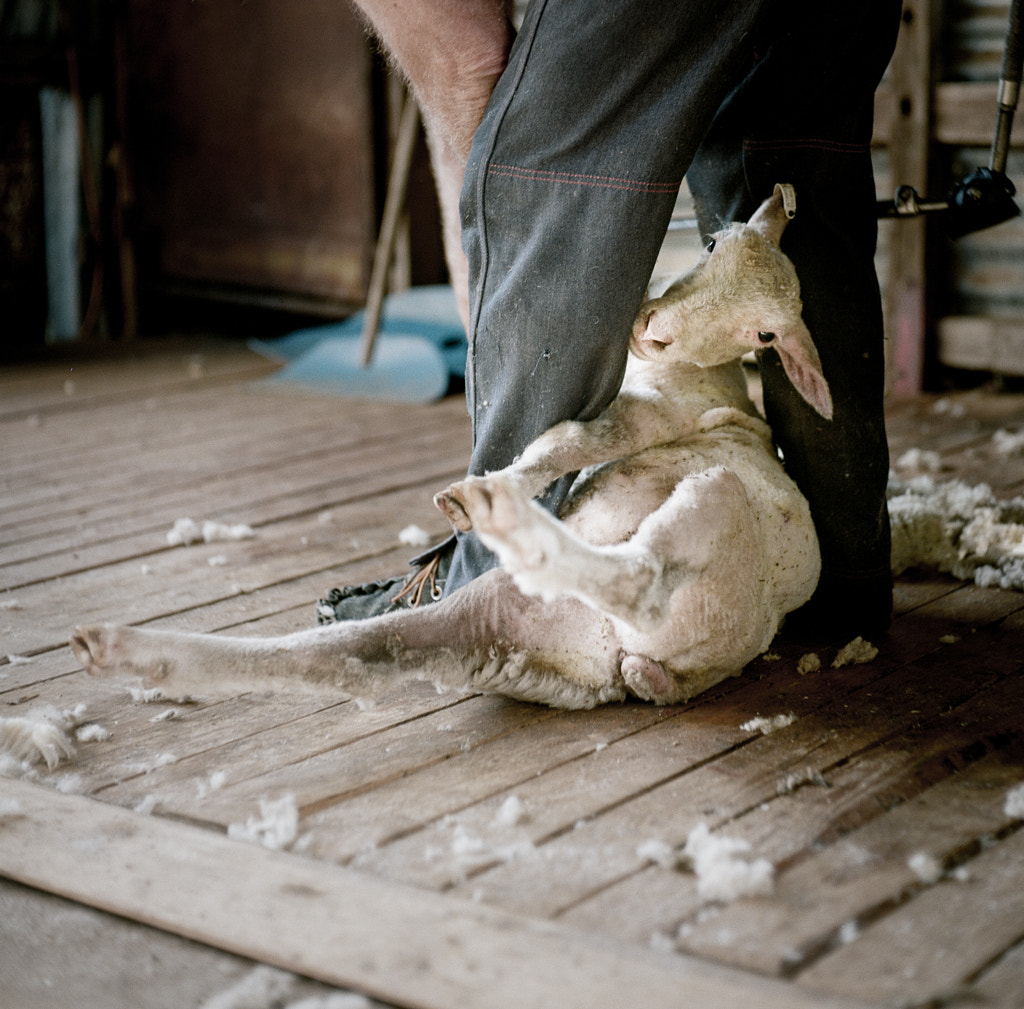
(741, 295)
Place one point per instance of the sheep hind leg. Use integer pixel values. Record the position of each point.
(634, 581)
(548, 560)
(487, 637)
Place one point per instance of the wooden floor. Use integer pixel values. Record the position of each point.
(416, 876)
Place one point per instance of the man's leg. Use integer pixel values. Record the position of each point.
(569, 188)
(451, 53)
(804, 117)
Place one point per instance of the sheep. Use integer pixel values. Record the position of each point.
(676, 556)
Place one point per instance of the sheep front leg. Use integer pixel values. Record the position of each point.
(628, 425)
(547, 560)
(487, 637)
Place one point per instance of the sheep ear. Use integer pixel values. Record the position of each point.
(803, 367)
(652, 331)
(775, 213)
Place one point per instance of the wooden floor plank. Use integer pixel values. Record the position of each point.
(1001, 983)
(99, 463)
(322, 762)
(182, 579)
(88, 509)
(667, 906)
(492, 773)
(917, 952)
(737, 781)
(868, 870)
(301, 491)
(344, 927)
(234, 432)
(83, 382)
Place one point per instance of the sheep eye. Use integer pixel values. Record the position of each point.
(710, 247)
(766, 337)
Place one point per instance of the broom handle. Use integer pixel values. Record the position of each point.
(393, 201)
(1009, 87)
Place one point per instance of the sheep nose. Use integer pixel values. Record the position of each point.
(643, 320)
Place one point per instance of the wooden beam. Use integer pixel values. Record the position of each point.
(982, 344)
(963, 115)
(910, 82)
(404, 945)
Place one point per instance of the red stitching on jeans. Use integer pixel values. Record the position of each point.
(835, 146)
(579, 179)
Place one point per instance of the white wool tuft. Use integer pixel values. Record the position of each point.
(34, 742)
(186, 531)
(797, 779)
(70, 784)
(1008, 442)
(12, 767)
(414, 536)
(166, 716)
(146, 695)
(1015, 802)
(219, 532)
(950, 406)
(855, 653)
(215, 782)
(9, 808)
(276, 827)
(722, 874)
(766, 726)
(849, 932)
(41, 735)
(920, 459)
(957, 529)
(659, 852)
(92, 733)
(468, 850)
(809, 663)
(336, 1000)
(146, 805)
(511, 813)
(925, 866)
(262, 988)
(153, 764)
(464, 843)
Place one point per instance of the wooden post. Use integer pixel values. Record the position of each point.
(910, 82)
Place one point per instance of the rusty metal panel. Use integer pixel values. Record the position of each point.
(251, 128)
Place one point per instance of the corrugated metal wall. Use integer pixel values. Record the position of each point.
(981, 312)
(975, 286)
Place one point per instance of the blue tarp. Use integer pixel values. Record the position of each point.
(420, 346)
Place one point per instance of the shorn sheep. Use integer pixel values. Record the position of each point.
(679, 551)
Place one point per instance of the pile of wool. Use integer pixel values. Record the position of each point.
(722, 865)
(957, 529)
(724, 873)
(44, 735)
(277, 826)
(186, 531)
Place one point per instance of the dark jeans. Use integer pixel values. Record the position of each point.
(604, 107)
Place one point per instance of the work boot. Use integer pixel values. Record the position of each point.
(424, 585)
